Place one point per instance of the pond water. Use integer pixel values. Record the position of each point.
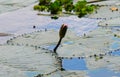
(81, 24)
(11, 5)
(50, 47)
(116, 46)
(116, 53)
(68, 64)
(31, 73)
(103, 72)
(74, 64)
(78, 64)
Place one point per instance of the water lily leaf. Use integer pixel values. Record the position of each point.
(41, 38)
(6, 71)
(28, 58)
(94, 42)
(110, 62)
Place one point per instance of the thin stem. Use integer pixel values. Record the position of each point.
(57, 45)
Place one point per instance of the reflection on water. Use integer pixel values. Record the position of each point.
(116, 46)
(31, 73)
(11, 5)
(116, 53)
(52, 46)
(68, 42)
(49, 47)
(80, 64)
(116, 39)
(103, 72)
(74, 64)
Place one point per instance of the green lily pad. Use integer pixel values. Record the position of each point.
(6, 71)
(94, 42)
(41, 38)
(28, 59)
(110, 62)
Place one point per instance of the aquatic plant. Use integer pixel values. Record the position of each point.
(96, 55)
(62, 33)
(55, 7)
(81, 8)
(44, 2)
(54, 17)
(40, 8)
